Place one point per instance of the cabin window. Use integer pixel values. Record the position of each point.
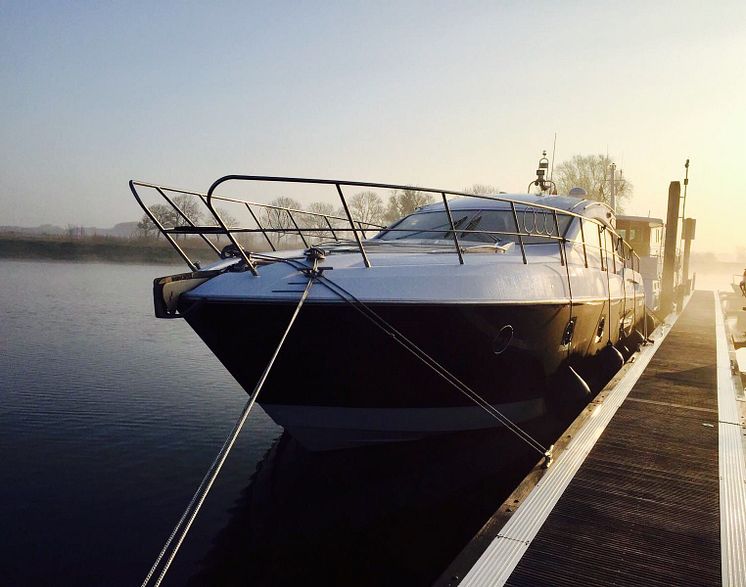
(593, 244)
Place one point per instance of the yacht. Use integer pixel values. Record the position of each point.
(468, 313)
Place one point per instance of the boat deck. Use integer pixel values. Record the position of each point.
(651, 490)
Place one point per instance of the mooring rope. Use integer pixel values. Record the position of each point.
(420, 354)
(204, 487)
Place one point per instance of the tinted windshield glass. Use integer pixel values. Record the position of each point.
(482, 226)
(428, 225)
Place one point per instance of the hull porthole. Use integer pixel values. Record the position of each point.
(600, 329)
(502, 340)
(569, 332)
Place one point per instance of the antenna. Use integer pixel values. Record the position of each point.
(612, 196)
(554, 148)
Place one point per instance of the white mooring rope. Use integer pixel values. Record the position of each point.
(420, 354)
(435, 366)
(204, 487)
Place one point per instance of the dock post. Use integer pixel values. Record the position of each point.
(669, 251)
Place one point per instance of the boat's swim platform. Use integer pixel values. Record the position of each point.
(650, 490)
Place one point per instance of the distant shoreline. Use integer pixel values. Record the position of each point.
(160, 252)
(93, 249)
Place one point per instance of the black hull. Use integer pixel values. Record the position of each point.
(334, 356)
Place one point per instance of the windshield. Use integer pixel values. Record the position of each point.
(481, 226)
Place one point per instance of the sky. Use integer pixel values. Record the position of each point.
(443, 94)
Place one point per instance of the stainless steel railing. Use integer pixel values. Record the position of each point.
(544, 222)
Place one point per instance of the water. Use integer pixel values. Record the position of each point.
(109, 418)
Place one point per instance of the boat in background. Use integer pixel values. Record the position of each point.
(524, 300)
(645, 236)
(735, 284)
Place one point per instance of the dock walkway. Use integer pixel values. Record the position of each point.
(647, 502)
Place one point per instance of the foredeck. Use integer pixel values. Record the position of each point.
(658, 497)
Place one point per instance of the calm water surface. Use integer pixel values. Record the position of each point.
(109, 418)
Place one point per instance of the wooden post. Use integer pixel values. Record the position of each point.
(669, 251)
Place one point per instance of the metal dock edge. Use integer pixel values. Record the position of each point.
(732, 465)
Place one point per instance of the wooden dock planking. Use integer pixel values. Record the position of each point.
(643, 508)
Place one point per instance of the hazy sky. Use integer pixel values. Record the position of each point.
(430, 93)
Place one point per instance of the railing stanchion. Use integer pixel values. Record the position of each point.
(163, 230)
(352, 224)
(362, 230)
(616, 239)
(453, 230)
(300, 232)
(518, 232)
(559, 238)
(249, 263)
(582, 236)
(329, 224)
(563, 243)
(259, 224)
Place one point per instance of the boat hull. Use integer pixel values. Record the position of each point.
(340, 380)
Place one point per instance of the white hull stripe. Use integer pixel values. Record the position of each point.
(408, 420)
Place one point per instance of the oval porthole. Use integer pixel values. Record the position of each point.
(601, 328)
(569, 332)
(502, 340)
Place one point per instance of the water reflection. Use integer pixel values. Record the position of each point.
(392, 514)
(109, 419)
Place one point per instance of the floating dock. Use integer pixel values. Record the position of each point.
(650, 486)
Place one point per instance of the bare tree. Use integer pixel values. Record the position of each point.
(404, 202)
(593, 174)
(367, 207)
(164, 214)
(280, 219)
(318, 222)
(145, 228)
(190, 206)
(481, 189)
